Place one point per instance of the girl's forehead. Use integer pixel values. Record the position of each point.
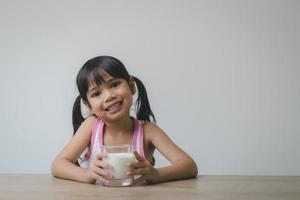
(104, 76)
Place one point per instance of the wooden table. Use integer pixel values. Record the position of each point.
(43, 187)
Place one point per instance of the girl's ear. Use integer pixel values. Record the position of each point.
(132, 85)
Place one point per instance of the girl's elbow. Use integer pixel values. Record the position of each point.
(194, 168)
(53, 171)
(54, 168)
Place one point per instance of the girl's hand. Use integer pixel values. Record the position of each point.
(143, 168)
(98, 171)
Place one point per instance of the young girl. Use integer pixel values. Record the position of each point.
(107, 89)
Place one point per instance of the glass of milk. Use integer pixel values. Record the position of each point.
(119, 156)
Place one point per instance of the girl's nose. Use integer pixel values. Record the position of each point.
(109, 95)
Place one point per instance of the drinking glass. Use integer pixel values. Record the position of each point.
(119, 156)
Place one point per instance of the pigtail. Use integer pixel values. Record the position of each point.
(144, 111)
(77, 118)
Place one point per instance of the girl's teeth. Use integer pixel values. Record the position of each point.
(114, 107)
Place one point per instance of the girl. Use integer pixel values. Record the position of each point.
(107, 89)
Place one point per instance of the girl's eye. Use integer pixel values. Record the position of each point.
(115, 84)
(95, 94)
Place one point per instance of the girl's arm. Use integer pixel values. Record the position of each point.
(182, 165)
(63, 165)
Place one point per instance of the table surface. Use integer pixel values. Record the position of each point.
(44, 186)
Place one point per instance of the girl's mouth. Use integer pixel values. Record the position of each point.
(114, 107)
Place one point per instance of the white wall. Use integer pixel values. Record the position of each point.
(222, 77)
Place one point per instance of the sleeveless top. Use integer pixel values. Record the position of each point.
(97, 141)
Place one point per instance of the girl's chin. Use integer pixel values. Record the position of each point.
(115, 116)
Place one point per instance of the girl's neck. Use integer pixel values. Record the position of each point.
(121, 127)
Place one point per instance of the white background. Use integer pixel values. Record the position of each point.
(222, 77)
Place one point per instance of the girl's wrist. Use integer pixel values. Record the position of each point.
(155, 178)
(87, 178)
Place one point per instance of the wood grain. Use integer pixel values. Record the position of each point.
(44, 186)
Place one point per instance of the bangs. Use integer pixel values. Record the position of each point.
(97, 76)
(95, 70)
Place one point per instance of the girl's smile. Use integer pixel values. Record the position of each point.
(114, 107)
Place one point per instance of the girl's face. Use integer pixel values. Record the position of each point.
(112, 99)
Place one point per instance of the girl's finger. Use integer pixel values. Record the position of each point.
(102, 165)
(138, 156)
(139, 181)
(100, 180)
(137, 165)
(140, 171)
(141, 165)
(101, 172)
(100, 156)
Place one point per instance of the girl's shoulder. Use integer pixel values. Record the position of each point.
(91, 120)
(152, 130)
(149, 125)
(87, 125)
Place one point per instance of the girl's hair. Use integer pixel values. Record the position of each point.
(90, 72)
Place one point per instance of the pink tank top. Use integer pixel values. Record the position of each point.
(97, 141)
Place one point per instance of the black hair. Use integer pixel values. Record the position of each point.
(90, 71)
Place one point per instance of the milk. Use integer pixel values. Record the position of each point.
(119, 162)
(119, 156)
